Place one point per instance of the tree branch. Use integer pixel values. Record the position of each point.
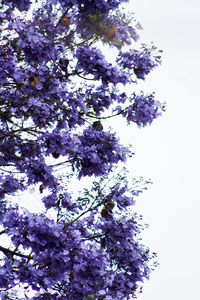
(3, 231)
(90, 237)
(7, 251)
(110, 116)
(84, 77)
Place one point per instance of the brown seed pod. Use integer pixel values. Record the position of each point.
(41, 188)
(97, 125)
(106, 213)
(34, 81)
(19, 84)
(63, 63)
(55, 154)
(65, 22)
(109, 205)
(111, 32)
(71, 275)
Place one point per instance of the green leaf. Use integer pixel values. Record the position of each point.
(92, 27)
(119, 43)
(103, 27)
(54, 100)
(93, 17)
(92, 114)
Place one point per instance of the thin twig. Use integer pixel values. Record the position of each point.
(8, 251)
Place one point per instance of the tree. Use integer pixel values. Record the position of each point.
(56, 90)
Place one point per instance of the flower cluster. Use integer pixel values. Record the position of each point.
(99, 100)
(10, 185)
(141, 62)
(21, 5)
(143, 111)
(38, 171)
(84, 244)
(102, 6)
(121, 30)
(93, 62)
(60, 250)
(92, 153)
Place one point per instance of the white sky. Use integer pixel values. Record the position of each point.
(168, 151)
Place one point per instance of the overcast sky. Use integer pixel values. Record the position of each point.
(168, 151)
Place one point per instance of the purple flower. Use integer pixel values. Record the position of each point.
(20, 4)
(141, 62)
(144, 110)
(92, 61)
(10, 185)
(38, 171)
(84, 244)
(93, 152)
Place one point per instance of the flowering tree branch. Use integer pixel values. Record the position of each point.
(57, 86)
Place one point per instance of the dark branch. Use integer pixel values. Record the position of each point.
(8, 252)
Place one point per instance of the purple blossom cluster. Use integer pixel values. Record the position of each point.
(100, 100)
(143, 110)
(92, 153)
(123, 33)
(84, 245)
(38, 171)
(21, 5)
(140, 62)
(102, 6)
(8, 6)
(115, 29)
(76, 258)
(9, 185)
(93, 62)
(36, 39)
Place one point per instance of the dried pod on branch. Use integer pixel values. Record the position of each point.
(111, 32)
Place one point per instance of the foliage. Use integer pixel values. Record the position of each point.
(56, 89)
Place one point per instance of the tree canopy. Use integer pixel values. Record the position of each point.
(57, 87)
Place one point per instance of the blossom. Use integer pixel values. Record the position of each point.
(21, 5)
(144, 110)
(93, 152)
(56, 89)
(93, 62)
(141, 62)
(10, 185)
